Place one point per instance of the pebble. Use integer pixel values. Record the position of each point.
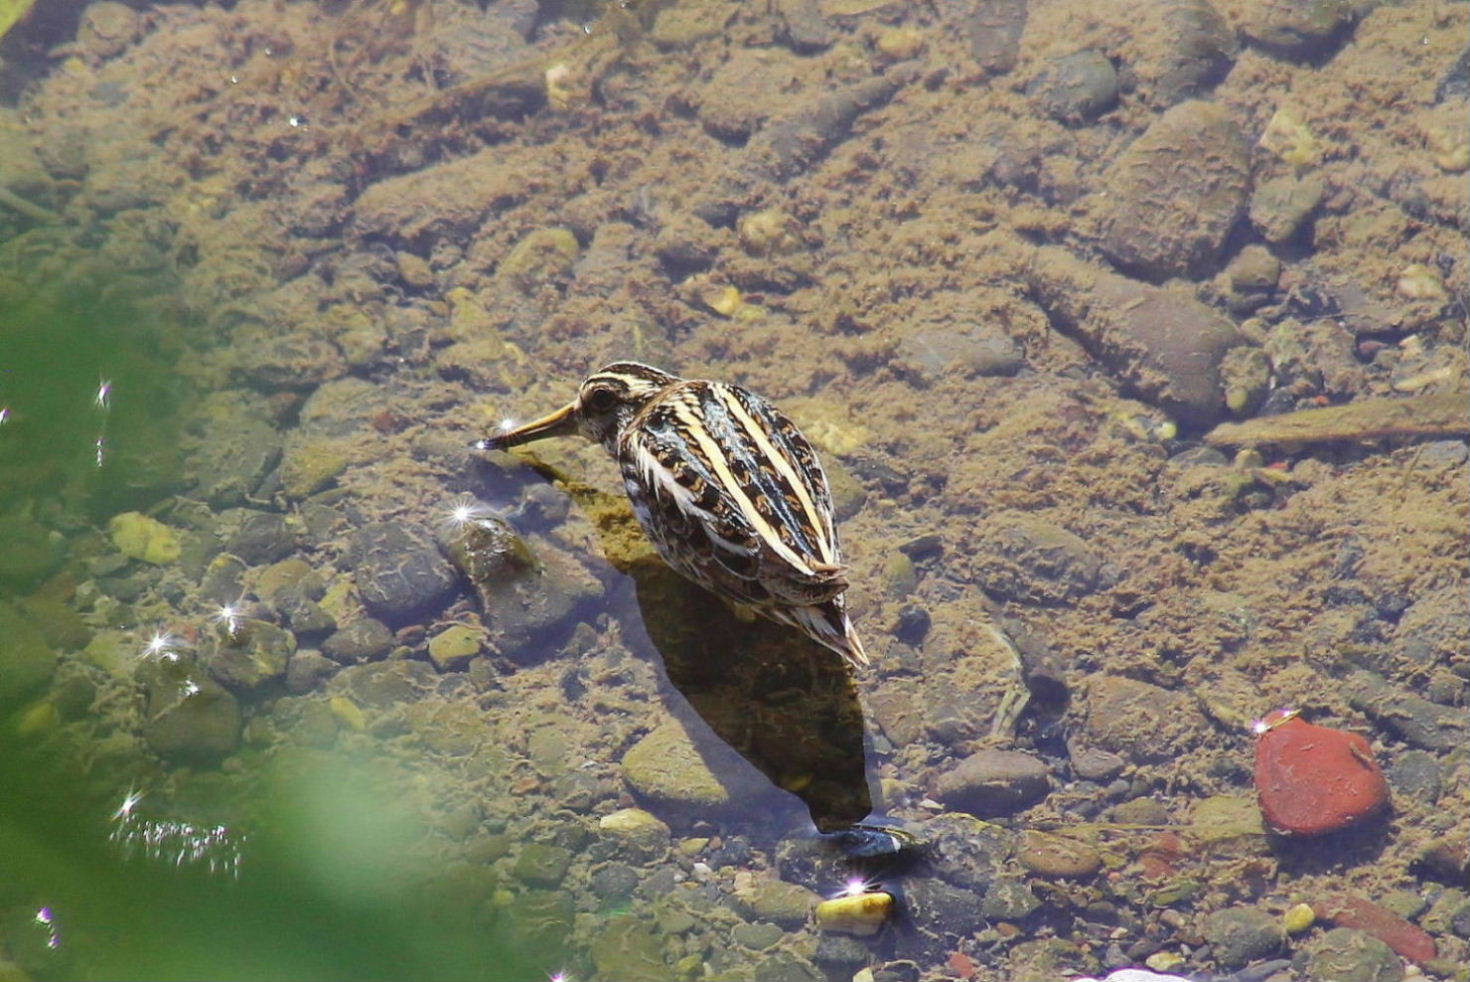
(235, 451)
(1189, 172)
(542, 865)
(1313, 780)
(1353, 956)
(788, 904)
(451, 649)
(1242, 934)
(399, 571)
(1416, 774)
(140, 537)
(1092, 764)
(1281, 206)
(665, 767)
(1009, 899)
(994, 782)
(1057, 856)
(968, 350)
(257, 661)
(1021, 556)
(1297, 29)
(640, 835)
(758, 936)
(1077, 87)
(365, 639)
(625, 948)
(1141, 721)
(261, 537)
(861, 915)
(306, 669)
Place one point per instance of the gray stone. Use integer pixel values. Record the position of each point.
(759, 936)
(994, 29)
(1238, 935)
(384, 684)
(1022, 556)
(341, 408)
(1415, 719)
(1075, 88)
(1189, 173)
(1145, 723)
(306, 670)
(235, 451)
(365, 639)
(614, 883)
(1416, 774)
(1009, 900)
(966, 851)
(272, 361)
(665, 767)
(191, 718)
(261, 537)
(1281, 206)
(1349, 955)
(951, 911)
(399, 572)
(223, 581)
(253, 656)
(627, 948)
(994, 782)
(1163, 344)
(929, 352)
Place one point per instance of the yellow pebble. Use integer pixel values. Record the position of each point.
(37, 718)
(1298, 918)
(1164, 961)
(862, 914)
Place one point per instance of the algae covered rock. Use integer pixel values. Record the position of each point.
(147, 539)
(1173, 197)
(191, 719)
(399, 571)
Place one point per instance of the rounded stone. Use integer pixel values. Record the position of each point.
(1189, 173)
(1239, 935)
(994, 782)
(1313, 779)
(1079, 86)
(1022, 556)
(642, 835)
(365, 639)
(191, 718)
(1350, 955)
(1057, 856)
(665, 767)
(399, 571)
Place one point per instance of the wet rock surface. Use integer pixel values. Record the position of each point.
(1190, 173)
(399, 571)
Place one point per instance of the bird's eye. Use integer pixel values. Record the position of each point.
(600, 401)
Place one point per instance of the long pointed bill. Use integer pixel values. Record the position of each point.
(563, 422)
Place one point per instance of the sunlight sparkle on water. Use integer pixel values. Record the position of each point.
(462, 512)
(164, 645)
(856, 886)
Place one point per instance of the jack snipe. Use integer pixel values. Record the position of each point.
(724, 485)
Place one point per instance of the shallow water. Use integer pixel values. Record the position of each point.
(276, 266)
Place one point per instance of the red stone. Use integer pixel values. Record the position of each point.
(1312, 779)
(1406, 939)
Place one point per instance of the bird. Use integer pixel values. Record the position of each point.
(725, 486)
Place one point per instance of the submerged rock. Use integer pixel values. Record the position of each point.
(26, 661)
(994, 782)
(399, 571)
(1189, 173)
(191, 719)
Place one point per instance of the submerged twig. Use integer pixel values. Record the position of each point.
(1441, 414)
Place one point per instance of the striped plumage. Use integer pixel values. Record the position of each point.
(725, 486)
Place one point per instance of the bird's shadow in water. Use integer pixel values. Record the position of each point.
(784, 703)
